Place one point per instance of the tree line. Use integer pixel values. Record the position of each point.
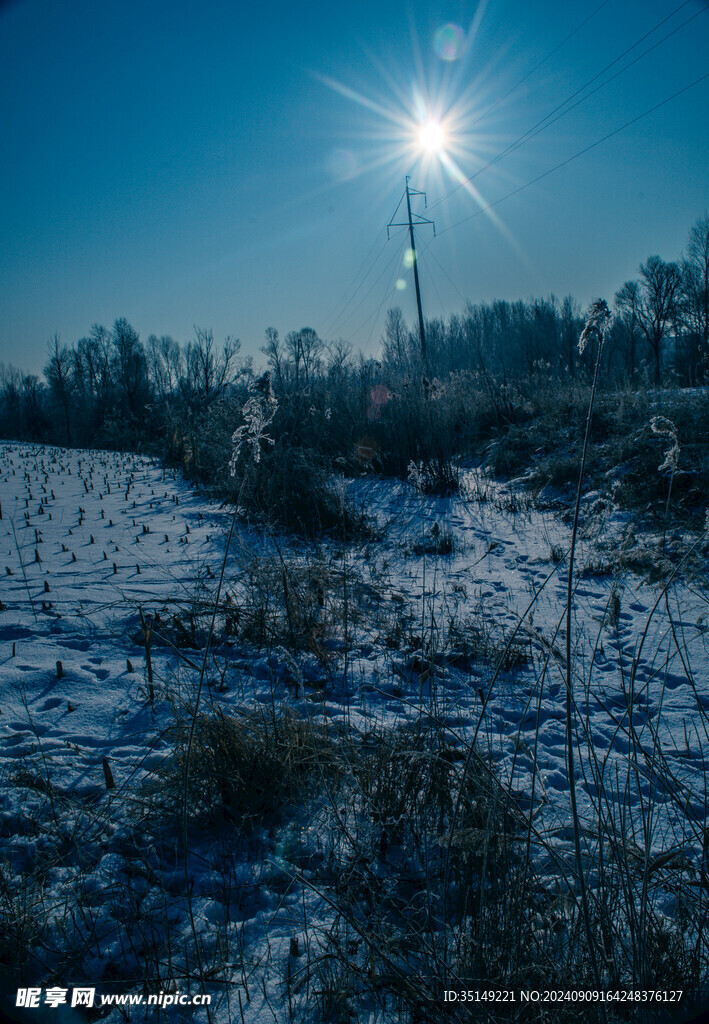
(660, 329)
(113, 390)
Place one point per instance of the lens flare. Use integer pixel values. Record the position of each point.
(448, 42)
(342, 164)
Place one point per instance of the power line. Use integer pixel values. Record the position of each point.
(387, 290)
(533, 133)
(435, 287)
(450, 279)
(379, 310)
(369, 291)
(336, 313)
(536, 67)
(521, 139)
(330, 314)
(586, 149)
(342, 317)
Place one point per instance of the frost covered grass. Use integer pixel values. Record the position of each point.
(624, 453)
(378, 795)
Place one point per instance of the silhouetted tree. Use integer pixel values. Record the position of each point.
(59, 377)
(395, 341)
(34, 422)
(652, 304)
(130, 368)
(570, 326)
(695, 290)
(273, 350)
(210, 372)
(165, 366)
(93, 381)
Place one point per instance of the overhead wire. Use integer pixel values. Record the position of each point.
(545, 123)
(374, 315)
(435, 287)
(335, 314)
(539, 64)
(541, 124)
(386, 294)
(331, 312)
(369, 291)
(450, 279)
(581, 152)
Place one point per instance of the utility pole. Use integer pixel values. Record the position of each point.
(419, 220)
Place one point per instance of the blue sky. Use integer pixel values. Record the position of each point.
(234, 166)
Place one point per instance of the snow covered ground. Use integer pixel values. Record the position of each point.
(455, 613)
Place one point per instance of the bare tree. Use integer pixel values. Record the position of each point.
(210, 372)
(165, 365)
(304, 349)
(340, 353)
(33, 421)
(92, 377)
(311, 348)
(396, 335)
(273, 350)
(626, 302)
(570, 325)
(130, 365)
(58, 373)
(695, 287)
(653, 304)
(10, 406)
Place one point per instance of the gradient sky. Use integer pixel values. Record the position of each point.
(235, 165)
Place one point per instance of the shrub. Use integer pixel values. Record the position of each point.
(292, 488)
(251, 767)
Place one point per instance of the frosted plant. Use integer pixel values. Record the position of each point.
(438, 388)
(597, 323)
(415, 474)
(663, 427)
(258, 412)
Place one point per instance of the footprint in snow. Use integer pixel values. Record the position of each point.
(52, 703)
(20, 736)
(100, 673)
(673, 682)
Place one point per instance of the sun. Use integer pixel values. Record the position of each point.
(432, 137)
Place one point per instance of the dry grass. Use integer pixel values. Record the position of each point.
(253, 767)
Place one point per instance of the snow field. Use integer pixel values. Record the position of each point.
(381, 636)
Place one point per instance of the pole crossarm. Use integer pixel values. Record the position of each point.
(416, 218)
(416, 221)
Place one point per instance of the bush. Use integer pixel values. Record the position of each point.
(252, 767)
(292, 488)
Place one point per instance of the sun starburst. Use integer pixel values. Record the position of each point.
(432, 137)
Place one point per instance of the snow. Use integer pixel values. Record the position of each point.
(91, 539)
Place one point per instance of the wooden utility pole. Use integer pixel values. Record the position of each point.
(410, 221)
